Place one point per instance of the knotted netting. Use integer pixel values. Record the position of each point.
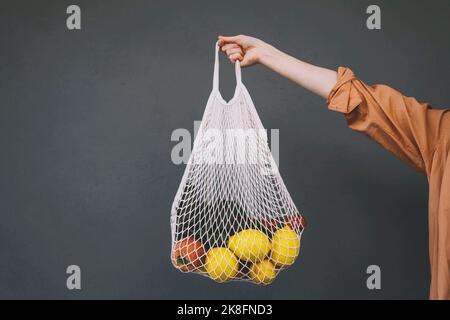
(232, 217)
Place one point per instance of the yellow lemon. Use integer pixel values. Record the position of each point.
(250, 245)
(221, 264)
(263, 272)
(285, 247)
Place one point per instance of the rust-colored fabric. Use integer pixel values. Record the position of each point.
(418, 135)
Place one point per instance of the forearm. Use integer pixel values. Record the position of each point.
(313, 78)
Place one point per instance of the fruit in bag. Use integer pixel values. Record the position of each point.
(250, 245)
(221, 264)
(263, 272)
(188, 254)
(285, 247)
(296, 222)
(232, 217)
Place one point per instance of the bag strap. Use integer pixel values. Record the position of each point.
(237, 70)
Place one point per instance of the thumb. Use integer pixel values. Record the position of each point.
(230, 39)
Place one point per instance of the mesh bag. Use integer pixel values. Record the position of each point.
(232, 217)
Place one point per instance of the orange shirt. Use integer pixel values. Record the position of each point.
(418, 135)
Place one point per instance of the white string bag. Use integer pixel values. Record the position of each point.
(232, 217)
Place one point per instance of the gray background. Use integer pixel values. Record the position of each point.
(85, 124)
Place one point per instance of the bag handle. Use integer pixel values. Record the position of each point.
(237, 70)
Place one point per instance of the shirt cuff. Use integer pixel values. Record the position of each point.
(344, 96)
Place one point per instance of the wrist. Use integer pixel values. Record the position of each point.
(269, 55)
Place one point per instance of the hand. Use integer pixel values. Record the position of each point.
(247, 50)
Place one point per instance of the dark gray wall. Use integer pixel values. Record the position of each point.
(85, 125)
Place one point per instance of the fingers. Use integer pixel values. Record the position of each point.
(240, 48)
(233, 51)
(234, 39)
(229, 46)
(235, 56)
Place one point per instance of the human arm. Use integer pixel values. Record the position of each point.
(409, 129)
(251, 50)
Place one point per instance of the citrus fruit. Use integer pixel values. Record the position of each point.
(263, 272)
(221, 264)
(285, 247)
(250, 245)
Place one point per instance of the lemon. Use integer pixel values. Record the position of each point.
(263, 272)
(285, 247)
(221, 264)
(250, 245)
